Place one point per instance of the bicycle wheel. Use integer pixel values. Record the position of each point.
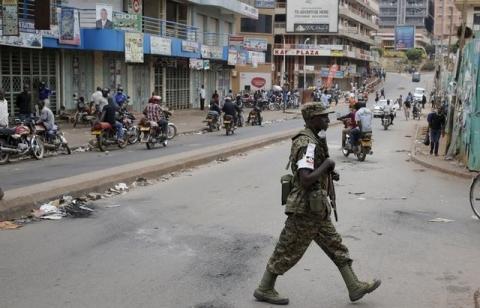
(475, 195)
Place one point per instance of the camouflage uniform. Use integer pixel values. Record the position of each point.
(305, 223)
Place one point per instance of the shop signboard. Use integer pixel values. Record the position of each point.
(248, 11)
(133, 47)
(211, 52)
(190, 46)
(28, 37)
(265, 4)
(255, 81)
(255, 44)
(127, 22)
(160, 45)
(312, 16)
(301, 52)
(232, 57)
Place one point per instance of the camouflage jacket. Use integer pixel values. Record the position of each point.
(305, 144)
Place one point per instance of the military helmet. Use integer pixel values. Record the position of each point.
(310, 110)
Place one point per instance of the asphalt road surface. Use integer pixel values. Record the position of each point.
(202, 238)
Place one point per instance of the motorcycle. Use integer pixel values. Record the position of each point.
(275, 102)
(172, 128)
(84, 115)
(131, 130)
(20, 141)
(106, 136)
(255, 117)
(416, 111)
(386, 120)
(150, 134)
(364, 147)
(212, 121)
(228, 124)
(54, 140)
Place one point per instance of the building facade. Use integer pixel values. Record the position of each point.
(447, 20)
(418, 13)
(346, 55)
(472, 13)
(173, 49)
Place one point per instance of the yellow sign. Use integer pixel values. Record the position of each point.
(336, 53)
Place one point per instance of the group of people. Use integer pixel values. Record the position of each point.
(26, 110)
(359, 121)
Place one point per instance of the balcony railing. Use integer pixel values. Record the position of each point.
(357, 16)
(281, 5)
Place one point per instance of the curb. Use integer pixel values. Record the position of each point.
(429, 165)
(17, 202)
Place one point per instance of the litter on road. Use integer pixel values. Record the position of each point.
(8, 225)
(121, 187)
(440, 220)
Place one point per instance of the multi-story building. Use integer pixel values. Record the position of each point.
(418, 13)
(345, 55)
(447, 20)
(171, 50)
(472, 12)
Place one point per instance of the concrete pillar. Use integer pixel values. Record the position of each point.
(98, 69)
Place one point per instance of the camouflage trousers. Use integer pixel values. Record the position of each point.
(296, 236)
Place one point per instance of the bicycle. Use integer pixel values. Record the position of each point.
(475, 195)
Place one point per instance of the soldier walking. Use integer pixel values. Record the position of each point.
(308, 209)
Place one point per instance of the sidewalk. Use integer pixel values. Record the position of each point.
(187, 121)
(421, 155)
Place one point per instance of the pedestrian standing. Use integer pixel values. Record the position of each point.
(424, 101)
(24, 104)
(407, 107)
(400, 102)
(308, 209)
(3, 110)
(203, 95)
(436, 128)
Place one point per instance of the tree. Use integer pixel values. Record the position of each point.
(430, 49)
(414, 54)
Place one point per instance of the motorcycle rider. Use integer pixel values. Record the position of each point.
(350, 125)
(363, 119)
(382, 93)
(154, 112)
(231, 109)
(24, 105)
(388, 110)
(109, 115)
(120, 97)
(239, 106)
(46, 118)
(3, 110)
(96, 99)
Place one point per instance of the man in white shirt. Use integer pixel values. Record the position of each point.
(203, 95)
(364, 118)
(388, 111)
(3, 110)
(96, 98)
(325, 99)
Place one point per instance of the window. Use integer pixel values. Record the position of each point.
(262, 25)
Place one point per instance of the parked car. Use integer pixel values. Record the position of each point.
(416, 77)
(418, 94)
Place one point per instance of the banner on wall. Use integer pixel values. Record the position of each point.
(255, 81)
(160, 45)
(28, 37)
(265, 4)
(10, 26)
(255, 44)
(236, 40)
(69, 32)
(199, 64)
(312, 16)
(127, 22)
(104, 16)
(135, 7)
(133, 47)
(232, 57)
(211, 52)
(190, 46)
(255, 58)
(404, 37)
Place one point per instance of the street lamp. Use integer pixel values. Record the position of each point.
(305, 63)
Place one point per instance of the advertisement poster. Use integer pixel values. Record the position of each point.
(190, 46)
(135, 7)
(312, 16)
(255, 81)
(235, 40)
(404, 37)
(28, 36)
(69, 27)
(195, 64)
(212, 52)
(206, 65)
(249, 11)
(127, 22)
(255, 44)
(265, 4)
(160, 45)
(10, 18)
(133, 47)
(232, 57)
(255, 57)
(104, 16)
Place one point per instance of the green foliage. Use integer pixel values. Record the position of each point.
(430, 49)
(414, 54)
(429, 66)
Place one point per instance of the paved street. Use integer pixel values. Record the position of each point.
(202, 239)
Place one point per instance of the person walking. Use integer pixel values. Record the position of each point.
(308, 209)
(424, 101)
(3, 110)
(406, 108)
(203, 96)
(436, 129)
(24, 104)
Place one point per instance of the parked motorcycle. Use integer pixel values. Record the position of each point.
(361, 150)
(84, 115)
(20, 141)
(212, 121)
(228, 124)
(150, 134)
(106, 136)
(275, 103)
(54, 140)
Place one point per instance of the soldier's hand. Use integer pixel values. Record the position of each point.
(329, 164)
(335, 176)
